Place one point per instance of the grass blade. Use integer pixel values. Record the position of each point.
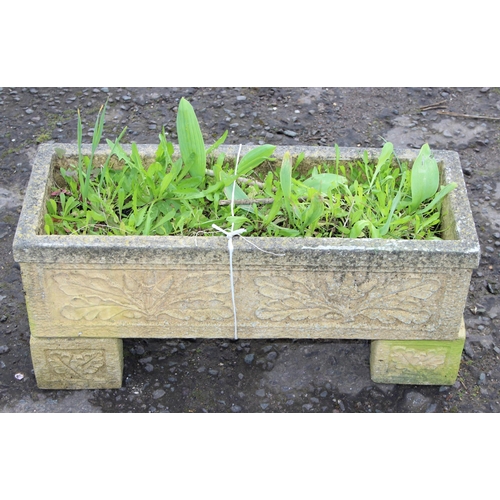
(385, 154)
(96, 139)
(286, 181)
(395, 203)
(217, 143)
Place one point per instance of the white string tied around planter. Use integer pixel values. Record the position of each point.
(229, 235)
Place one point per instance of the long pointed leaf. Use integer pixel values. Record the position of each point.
(424, 177)
(439, 196)
(239, 194)
(191, 139)
(254, 158)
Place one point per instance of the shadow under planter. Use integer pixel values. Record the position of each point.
(86, 293)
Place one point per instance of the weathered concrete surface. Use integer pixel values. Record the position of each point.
(77, 363)
(299, 288)
(433, 362)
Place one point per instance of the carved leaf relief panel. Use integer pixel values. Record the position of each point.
(360, 299)
(404, 358)
(145, 296)
(70, 364)
(344, 298)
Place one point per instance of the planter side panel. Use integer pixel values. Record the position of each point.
(296, 302)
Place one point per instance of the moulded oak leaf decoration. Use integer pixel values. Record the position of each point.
(116, 295)
(400, 301)
(402, 357)
(294, 300)
(75, 364)
(346, 298)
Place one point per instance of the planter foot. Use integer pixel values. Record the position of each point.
(421, 362)
(77, 363)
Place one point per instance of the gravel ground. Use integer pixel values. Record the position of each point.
(259, 375)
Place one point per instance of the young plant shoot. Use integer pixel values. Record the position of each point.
(185, 194)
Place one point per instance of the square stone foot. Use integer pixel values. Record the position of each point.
(422, 362)
(77, 363)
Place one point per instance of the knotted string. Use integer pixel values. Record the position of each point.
(229, 235)
(230, 246)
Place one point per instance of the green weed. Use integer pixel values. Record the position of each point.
(187, 195)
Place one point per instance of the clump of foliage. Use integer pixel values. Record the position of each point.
(186, 195)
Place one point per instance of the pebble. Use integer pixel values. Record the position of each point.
(272, 355)
(249, 359)
(159, 393)
(260, 392)
(290, 133)
(469, 350)
(236, 409)
(4, 349)
(415, 401)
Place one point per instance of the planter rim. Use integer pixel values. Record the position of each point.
(29, 246)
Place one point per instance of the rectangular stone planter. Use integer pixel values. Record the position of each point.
(115, 287)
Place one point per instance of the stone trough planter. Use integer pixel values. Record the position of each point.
(84, 294)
